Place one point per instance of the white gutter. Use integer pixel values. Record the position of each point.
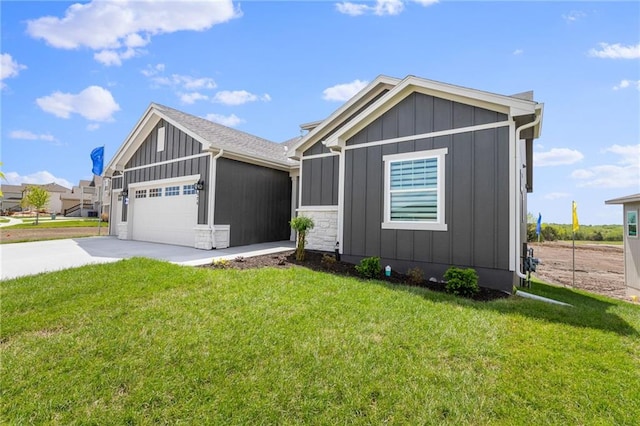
(517, 199)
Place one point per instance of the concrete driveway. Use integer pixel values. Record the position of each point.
(22, 259)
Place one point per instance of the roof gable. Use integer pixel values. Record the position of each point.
(212, 136)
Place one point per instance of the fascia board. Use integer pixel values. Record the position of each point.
(313, 135)
(113, 164)
(505, 104)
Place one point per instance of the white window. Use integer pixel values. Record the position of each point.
(632, 223)
(188, 189)
(171, 190)
(414, 190)
(141, 193)
(155, 192)
(161, 138)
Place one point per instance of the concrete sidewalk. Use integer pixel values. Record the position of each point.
(22, 259)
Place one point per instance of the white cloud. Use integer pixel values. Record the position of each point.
(573, 16)
(627, 83)
(30, 136)
(41, 177)
(616, 51)
(9, 68)
(624, 174)
(556, 195)
(192, 97)
(150, 71)
(557, 157)
(343, 92)
(93, 103)
(238, 97)
(226, 120)
(118, 29)
(380, 8)
(518, 52)
(93, 127)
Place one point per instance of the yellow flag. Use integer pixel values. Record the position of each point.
(576, 225)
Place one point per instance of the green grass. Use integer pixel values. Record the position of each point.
(606, 243)
(58, 224)
(144, 342)
(3, 220)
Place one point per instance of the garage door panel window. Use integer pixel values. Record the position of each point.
(141, 193)
(155, 192)
(188, 189)
(170, 191)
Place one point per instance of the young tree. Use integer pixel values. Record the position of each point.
(301, 224)
(3, 178)
(38, 198)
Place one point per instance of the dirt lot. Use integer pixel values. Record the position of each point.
(599, 268)
(8, 234)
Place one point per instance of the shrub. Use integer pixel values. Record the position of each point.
(221, 264)
(328, 261)
(301, 224)
(461, 282)
(104, 217)
(369, 267)
(415, 276)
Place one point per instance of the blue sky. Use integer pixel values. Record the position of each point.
(77, 76)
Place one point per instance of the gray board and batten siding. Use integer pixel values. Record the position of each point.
(254, 200)
(476, 191)
(320, 181)
(177, 145)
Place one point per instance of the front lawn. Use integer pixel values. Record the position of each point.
(64, 223)
(142, 341)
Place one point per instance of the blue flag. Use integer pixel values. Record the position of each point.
(97, 156)
(539, 225)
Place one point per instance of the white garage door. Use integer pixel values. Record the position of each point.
(164, 213)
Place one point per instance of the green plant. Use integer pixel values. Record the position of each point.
(415, 275)
(36, 197)
(328, 261)
(301, 224)
(462, 282)
(369, 267)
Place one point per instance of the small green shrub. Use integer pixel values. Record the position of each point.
(221, 264)
(302, 225)
(415, 276)
(369, 267)
(328, 261)
(462, 282)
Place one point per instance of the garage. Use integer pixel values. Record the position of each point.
(164, 212)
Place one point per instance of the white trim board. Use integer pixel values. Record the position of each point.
(160, 163)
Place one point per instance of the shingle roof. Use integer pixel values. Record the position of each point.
(231, 140)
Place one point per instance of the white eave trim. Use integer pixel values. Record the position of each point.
(500, 103)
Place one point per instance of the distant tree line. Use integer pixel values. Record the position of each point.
(555, 232)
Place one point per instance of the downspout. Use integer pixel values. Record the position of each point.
(212, 194)
(519, 187)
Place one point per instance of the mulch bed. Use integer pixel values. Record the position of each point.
(313, 260)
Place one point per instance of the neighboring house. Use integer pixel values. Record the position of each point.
(83, 199)
(422, 173)
(13, 195)
(181, 179)
(630, 209)
(417, 172)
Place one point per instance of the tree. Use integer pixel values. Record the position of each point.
(36, 197)
(3, 178)
(301, 225)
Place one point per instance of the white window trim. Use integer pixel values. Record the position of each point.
(626, 223)
(439, 224)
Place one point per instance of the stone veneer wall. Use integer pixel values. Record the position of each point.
(123, 231)
(204, 237)
(325, 232)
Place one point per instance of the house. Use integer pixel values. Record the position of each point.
(630, 208)
(11, 197)
(418, 172)
(13, 194)
(83, 200)
(422, 174)
(181, 179)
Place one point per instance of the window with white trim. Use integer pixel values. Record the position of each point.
(141, 193)
(171, 190)
(188, 189)
(414, 190)
(155, 192)
(632, 223)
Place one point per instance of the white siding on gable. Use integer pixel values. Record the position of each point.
(161, 138)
